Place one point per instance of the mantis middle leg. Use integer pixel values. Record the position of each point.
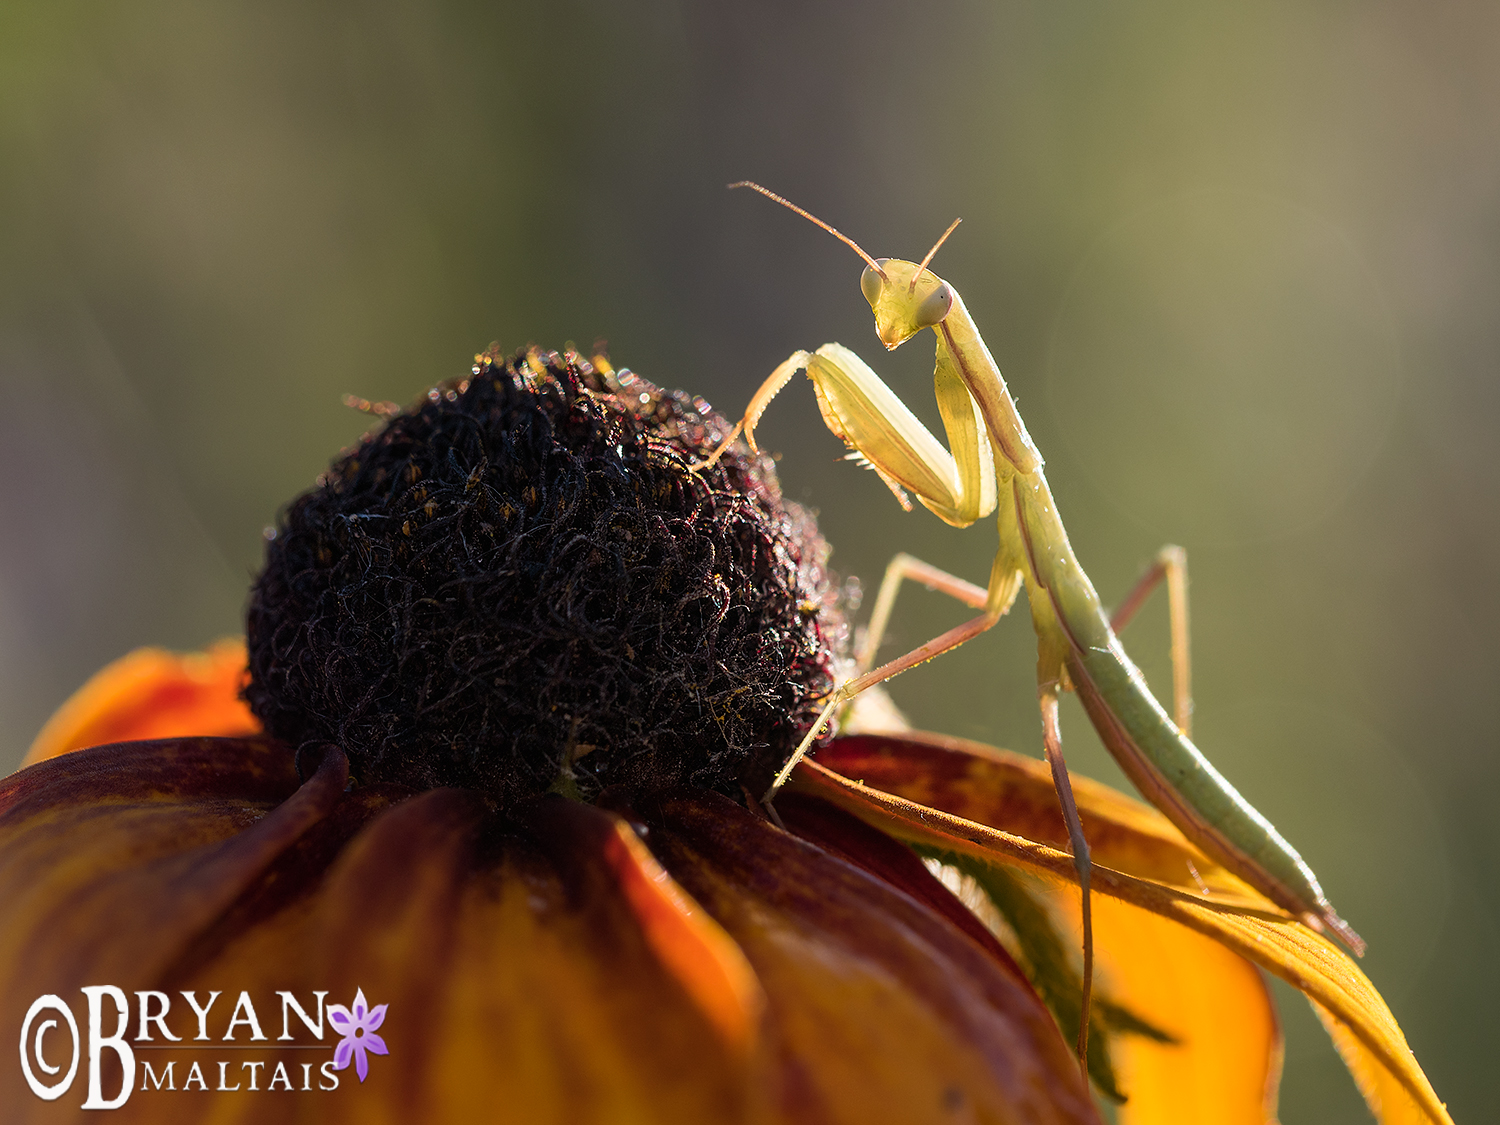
(1169, 566)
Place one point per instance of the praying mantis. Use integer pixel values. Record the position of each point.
(992, 466)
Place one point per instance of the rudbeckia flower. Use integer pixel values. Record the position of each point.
(478, 792)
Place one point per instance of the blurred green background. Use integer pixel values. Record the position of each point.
(1241, 268)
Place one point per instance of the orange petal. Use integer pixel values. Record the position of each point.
(127, 864)
(521, 983)
(880, 1010)
(152, 693)
(1235, 917)
(516, 984)
(115, 861)
(387, 922)
(691, 945)
(1391, 1101)
(1226, 1063)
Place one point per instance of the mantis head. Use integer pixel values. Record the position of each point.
(906, 298)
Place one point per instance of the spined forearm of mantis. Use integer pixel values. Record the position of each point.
(991, 466)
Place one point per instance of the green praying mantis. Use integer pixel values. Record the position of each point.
(992, 466)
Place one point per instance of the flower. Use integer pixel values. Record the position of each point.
(358, 1027)
(725, 967)
(633, 945)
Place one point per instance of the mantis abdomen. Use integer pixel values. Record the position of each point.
(1155, 754)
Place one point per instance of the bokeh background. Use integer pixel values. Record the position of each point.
(1242, 269)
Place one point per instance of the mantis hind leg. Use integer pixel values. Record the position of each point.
(1170, 564)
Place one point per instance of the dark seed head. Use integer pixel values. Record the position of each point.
(516, 585)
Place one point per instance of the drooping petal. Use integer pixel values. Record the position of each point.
(1386, 1095)
(1002, 789)
(880, 1010)
(151, 694)
(1226, 1062)
(947, 772)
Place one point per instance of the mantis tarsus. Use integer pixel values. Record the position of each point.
(992, 466)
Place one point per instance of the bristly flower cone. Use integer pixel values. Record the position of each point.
(516, 585)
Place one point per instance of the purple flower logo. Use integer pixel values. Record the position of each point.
(358, 1029)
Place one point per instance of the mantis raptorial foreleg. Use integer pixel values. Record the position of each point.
(992, 465)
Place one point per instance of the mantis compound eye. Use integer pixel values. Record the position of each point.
(934, 306)
(870, 284)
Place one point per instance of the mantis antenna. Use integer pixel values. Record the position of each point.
(953, 226)
(810, 217)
